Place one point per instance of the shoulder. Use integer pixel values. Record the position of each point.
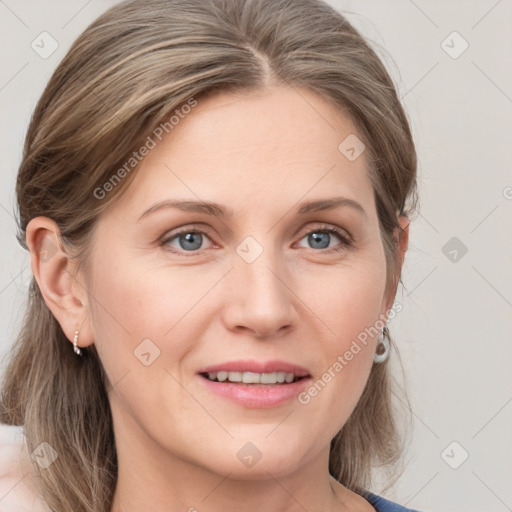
(11, 450)
(17, 493)
(383, 505)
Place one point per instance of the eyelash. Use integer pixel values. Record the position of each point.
(346, 241)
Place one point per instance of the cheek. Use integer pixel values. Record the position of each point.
(350, 304)
(144, 322)
(348, 298)
(135, 302)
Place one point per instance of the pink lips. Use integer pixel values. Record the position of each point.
(251, 365)
(257, 396)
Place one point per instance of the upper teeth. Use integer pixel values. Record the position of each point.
(252, 378)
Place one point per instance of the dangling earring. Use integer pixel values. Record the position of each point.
(383, 347)
(75, 344)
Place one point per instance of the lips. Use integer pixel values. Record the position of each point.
(254, 366)
(255, 384)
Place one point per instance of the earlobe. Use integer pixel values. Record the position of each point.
(54, 272)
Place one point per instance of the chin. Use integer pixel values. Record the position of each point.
(251, 460)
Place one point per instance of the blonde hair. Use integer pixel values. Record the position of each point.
(128, 72)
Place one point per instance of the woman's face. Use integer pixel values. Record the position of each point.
(262, 287)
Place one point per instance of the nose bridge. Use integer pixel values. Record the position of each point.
(257, 265)
(262, 300)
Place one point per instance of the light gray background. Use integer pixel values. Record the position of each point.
(455, 330)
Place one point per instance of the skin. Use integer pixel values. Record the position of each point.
(18, 481)
(261, 154)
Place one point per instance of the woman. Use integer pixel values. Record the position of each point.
(216, 200)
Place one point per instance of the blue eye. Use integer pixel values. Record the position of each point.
(188, 240)
(191, 240)
(322, 238)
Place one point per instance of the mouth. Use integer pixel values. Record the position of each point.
(255, 384)
(253, 378)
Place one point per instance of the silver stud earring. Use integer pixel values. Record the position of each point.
(75, 344)
(383, 346)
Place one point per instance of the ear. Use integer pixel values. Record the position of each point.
(401, 238)
(55, 272)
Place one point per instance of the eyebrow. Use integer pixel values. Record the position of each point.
(217, 210)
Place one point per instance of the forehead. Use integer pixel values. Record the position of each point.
(270, 147)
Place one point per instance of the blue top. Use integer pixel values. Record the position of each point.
(382, 505)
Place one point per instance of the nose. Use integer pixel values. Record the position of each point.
(260, 300)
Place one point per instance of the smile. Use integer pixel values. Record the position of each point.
(252, 377)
